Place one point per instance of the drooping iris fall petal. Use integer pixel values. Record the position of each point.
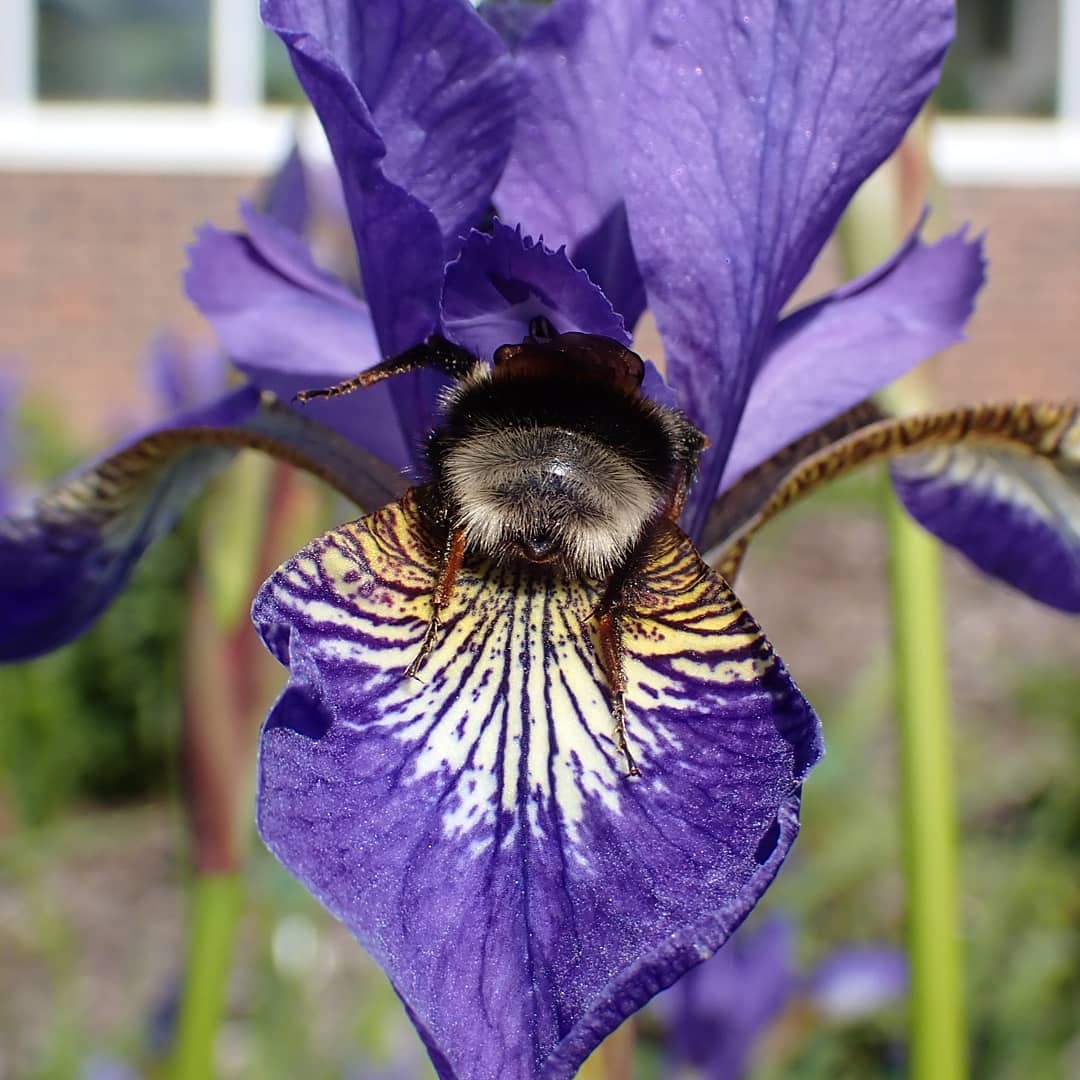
(1012, 510)
(475, 829)
(66, 556)
(63, 560)
(998, 482)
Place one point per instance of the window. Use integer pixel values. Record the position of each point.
(123, 50)
(1004, 60)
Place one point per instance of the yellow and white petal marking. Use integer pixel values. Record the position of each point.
(512, 708)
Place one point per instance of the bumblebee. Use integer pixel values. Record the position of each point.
(551, 457)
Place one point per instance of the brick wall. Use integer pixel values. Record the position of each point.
(90, 270)
(1025, 337)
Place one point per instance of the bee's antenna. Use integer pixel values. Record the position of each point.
(436, 353)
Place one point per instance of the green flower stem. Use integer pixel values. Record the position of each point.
(938, 1037)
(216, 901)
(873, 226)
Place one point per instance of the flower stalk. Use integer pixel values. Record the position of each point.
(928, 800)
(216, 900)
(872, 225)
(247, 523)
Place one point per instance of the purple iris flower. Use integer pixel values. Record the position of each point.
(476, 831)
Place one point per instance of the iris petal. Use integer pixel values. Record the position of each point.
(753, 123)
(290, 326)
(563, 179)
(62, 563)
(1001, 483)
(1015, 514)
(417, 102)
(831, 354)
(511, 19)
(475, 830)
(502, 281)
(286, 195)
(64, 560)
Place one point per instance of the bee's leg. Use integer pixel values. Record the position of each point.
(611, 656)
(453, 554)
(609, 614)
(436, 353)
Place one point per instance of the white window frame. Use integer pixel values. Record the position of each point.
(236, 133)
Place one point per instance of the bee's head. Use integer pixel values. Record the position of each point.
(548, 495)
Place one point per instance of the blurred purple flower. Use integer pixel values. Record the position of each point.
(182, 376)
(716, 1015)
(101, 1066)
(855, 981)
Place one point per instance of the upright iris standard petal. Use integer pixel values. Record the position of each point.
(563, 177)
(65, 558)
(832, 354)
(476, 830)
(417, 102)
(753, 123)
(290, 326)
(502, 281)
(285, 197)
